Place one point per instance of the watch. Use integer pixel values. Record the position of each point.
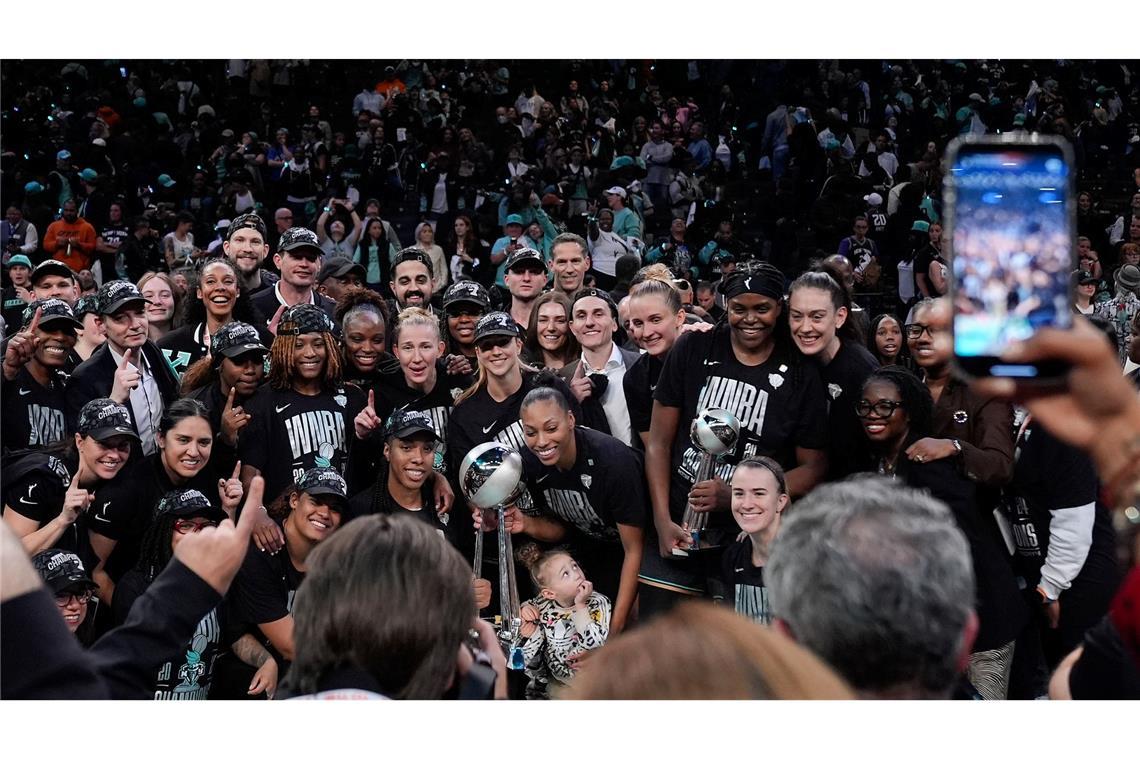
(957, 446)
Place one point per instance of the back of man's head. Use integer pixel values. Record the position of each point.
(385, 597)
(877, 580)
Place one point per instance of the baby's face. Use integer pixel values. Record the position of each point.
(563, 578)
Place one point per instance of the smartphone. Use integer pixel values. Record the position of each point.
(1010, 218)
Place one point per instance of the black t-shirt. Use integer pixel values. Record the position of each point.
(922, 259)
(604, 487)
(1050, 475)
(781, 405)
(639, 383)
(378, 500)
(188, 675)
(33, 413)
(844, 376)
(393, 392)
(124, 507)
(12, 309)
(290, 433)
(746, 581)
(114, 233)
(34, 486)
(262, 592)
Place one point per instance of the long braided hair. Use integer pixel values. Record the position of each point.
(155, 552)
(282, 369)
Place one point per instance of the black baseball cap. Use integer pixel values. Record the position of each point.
(62, 571)
(496, 323)
(523, 255)
(53, 311)
(1081, 277)
(186, 502)
(407, 422)
(325, 481)
(247, 221)
(51, 266)
(298, 238)
(594, 293)
(116, 294)
(234, 339)
(88, 304)
(302, 319)
(413, 254)
(467, 291)
(340, 266)
(102, 418)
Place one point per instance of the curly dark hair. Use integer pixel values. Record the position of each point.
(915, 396)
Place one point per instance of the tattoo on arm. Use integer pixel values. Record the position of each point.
(250, 651)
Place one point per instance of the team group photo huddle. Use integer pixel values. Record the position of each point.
(574, 379)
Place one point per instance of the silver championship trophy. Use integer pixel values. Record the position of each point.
(491, 479)
(714, 432)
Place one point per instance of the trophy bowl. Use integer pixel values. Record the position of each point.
(715, 431)
(490, 475)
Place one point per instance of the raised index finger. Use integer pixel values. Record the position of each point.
(31, 328)
(252, 509)
(237, 471)
(230, 400)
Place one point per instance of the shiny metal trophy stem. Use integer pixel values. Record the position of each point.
(491, 479)
(713, 432)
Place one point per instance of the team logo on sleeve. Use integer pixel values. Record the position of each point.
(834, 390)
(587, 480)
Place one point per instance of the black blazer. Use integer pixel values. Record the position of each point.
(93, 379)
(592, 411)
(265, 301)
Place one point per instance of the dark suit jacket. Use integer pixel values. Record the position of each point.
(93, 379)
(265, 301)
(593, 412)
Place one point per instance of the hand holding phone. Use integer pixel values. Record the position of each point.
(1010, 221)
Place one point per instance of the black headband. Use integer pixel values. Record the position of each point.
(758, 277)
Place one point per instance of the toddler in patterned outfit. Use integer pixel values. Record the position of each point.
(566, 618)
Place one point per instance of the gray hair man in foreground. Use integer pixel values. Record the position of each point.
(876, 579)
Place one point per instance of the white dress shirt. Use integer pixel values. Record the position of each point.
(613, 400)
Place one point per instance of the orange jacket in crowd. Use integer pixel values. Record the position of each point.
(82, 237)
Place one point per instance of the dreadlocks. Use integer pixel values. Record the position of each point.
(282, 367)
(156, 552)
(915, 396)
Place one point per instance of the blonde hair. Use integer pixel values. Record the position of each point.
(415, 316)
(713, 653)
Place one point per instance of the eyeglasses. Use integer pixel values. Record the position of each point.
(881, 409)
(190, 526)
(915, 330)
(64, 599)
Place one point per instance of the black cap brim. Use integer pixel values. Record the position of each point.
(55, 318)
(466, 299)
(67, 582)
(246, 348)
(55, 267)
(103, 433)
(302, 246)
(216, 513)
(112, 308)
(407, 431)
(497, 332)
(333, 497)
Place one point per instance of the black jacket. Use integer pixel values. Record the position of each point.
(265, 301)
(41, 660)
(93, 379)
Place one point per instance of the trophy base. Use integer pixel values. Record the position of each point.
(704, 540)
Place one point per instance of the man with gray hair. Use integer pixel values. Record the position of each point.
(876, 579)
